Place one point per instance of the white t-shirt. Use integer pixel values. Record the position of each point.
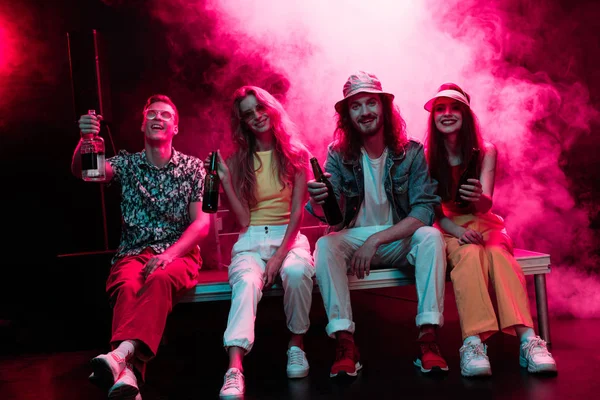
(375, 209)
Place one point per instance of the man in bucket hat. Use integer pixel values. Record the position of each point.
(382, 183)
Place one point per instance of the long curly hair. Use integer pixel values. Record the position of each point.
(469, 137)
(348, 140)
(290, 155)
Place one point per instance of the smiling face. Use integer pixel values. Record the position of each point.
(255, 115)
(366, 113)
(447, 115)
(157, 125)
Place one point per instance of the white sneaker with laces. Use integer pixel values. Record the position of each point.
(297, 364)
(233, 385)
(125, 387)
(107, 369)
(534, 356)
(474, 360)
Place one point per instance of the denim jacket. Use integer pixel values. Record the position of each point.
(408, 186)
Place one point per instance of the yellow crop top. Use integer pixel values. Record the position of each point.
(273, 201)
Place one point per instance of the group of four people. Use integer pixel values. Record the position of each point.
(399, 205)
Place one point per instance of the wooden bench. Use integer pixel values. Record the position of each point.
(213, 285)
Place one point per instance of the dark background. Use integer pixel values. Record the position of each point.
(51, 303)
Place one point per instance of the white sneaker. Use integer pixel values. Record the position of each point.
(233, 385)
(474, 360)
(297, 364)
(125, 387)
(107, 369)
(535, 356)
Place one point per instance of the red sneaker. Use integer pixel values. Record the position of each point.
(431, 358)
(346, 359)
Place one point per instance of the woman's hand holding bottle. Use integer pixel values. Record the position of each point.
(471, 192)
(222, 168)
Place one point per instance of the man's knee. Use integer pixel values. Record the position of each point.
(428, 233)
(124, 290)
(325, 243)
(127, 287)
(159, 277)
(327, 246)
(430, 237)
(331, 258)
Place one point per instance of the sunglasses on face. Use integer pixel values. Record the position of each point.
(250, 115)
(164, 115)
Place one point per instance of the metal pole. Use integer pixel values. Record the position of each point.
(104, 224)
(542, 306)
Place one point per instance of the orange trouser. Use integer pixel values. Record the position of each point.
(472, 267)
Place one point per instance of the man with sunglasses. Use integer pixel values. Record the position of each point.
(158, 257)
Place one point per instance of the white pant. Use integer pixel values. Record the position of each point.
(425, 251)
(249, 255)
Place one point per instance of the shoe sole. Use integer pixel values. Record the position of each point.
(540, 369)
(231, 396)
(103, 376)
(476, 372)
(296, 375)
(357, 367)
(124, 392)
(417, 363)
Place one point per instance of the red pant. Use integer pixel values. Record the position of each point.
(140, 308)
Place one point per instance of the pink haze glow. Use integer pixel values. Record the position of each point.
(413, 47)
(7, 51)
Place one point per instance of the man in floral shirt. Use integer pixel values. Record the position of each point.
(158, 257)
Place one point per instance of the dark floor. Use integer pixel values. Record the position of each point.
(191, 364)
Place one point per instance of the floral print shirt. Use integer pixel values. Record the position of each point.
(155, 201)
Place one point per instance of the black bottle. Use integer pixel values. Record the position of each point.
(331, 208)
(469, 173)
(210, 200)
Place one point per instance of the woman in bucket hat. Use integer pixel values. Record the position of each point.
(478, 246)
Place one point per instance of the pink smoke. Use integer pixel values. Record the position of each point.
(4, 50)
(24, 59)
(9, 58)
(8, 53)
(506, 54)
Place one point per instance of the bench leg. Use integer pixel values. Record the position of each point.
(541, 301)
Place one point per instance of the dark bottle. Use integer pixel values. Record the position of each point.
(469, 173)
(331, 208)
(210, 200)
